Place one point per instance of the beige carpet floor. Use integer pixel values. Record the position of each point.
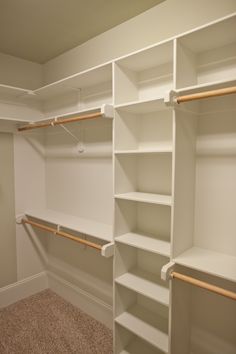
(46, 324)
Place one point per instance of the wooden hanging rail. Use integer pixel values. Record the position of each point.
(58, 121)
(204, 285)
(206, 94)
(62, 234)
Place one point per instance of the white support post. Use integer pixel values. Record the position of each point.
(166, 270)
(170, 98)
(108, 250)
(107, 111)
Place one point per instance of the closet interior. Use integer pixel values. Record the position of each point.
(146, 185)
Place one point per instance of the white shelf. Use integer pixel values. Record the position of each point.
(143, 107)
(146, 198)
(145, 284)
(11, 92)
(145, 242)
(215, 263)
(105, 109)
(138, 346)
(207, 86)
(10, 125)
(162, 149)
(146, 325)
(84, 226)
(91, 77)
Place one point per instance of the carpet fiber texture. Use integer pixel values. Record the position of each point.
(46, 324)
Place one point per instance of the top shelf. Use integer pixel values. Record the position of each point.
(76, 82)
(85, 226)
(213, 36)
(11, 92)
(91, 77)
(206, 87)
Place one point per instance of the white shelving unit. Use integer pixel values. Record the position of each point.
(204, 229)
(175, 190)
(143, 197)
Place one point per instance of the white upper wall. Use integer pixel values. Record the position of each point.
(160, 22)
(20, 73)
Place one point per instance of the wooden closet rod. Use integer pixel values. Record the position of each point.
(62, 234)
(58, 121)
(204, 285)
(207, 94)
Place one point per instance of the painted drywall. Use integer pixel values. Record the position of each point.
(20, 73)
(7, 212)
(162, 21)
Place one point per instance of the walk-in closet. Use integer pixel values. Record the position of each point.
(118, 178)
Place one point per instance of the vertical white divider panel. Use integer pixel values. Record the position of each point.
(184, 183)
(185, 66)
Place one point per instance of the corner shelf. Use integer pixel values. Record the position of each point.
(10, 125)
(146, 284)
(146, 243)
(82, 225)
(146, 198)
(145, 325)
(214, 263)
(12, 92)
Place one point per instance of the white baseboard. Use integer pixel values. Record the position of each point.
(88, 303)
(23, 288)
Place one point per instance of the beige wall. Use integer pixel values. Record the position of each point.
(162, 21)
(7, 212)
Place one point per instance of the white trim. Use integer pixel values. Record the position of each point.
(23, 288)
(88, 303)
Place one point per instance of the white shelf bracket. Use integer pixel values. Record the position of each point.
(166, 270)
(107, 111)
(170, 98)
(19, 218)
(108, 250)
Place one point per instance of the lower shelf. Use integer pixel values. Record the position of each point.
(210, 262)
(151, 328)
(145, 284)
(138, 346)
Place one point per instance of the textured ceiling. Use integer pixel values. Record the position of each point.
(39, 30)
